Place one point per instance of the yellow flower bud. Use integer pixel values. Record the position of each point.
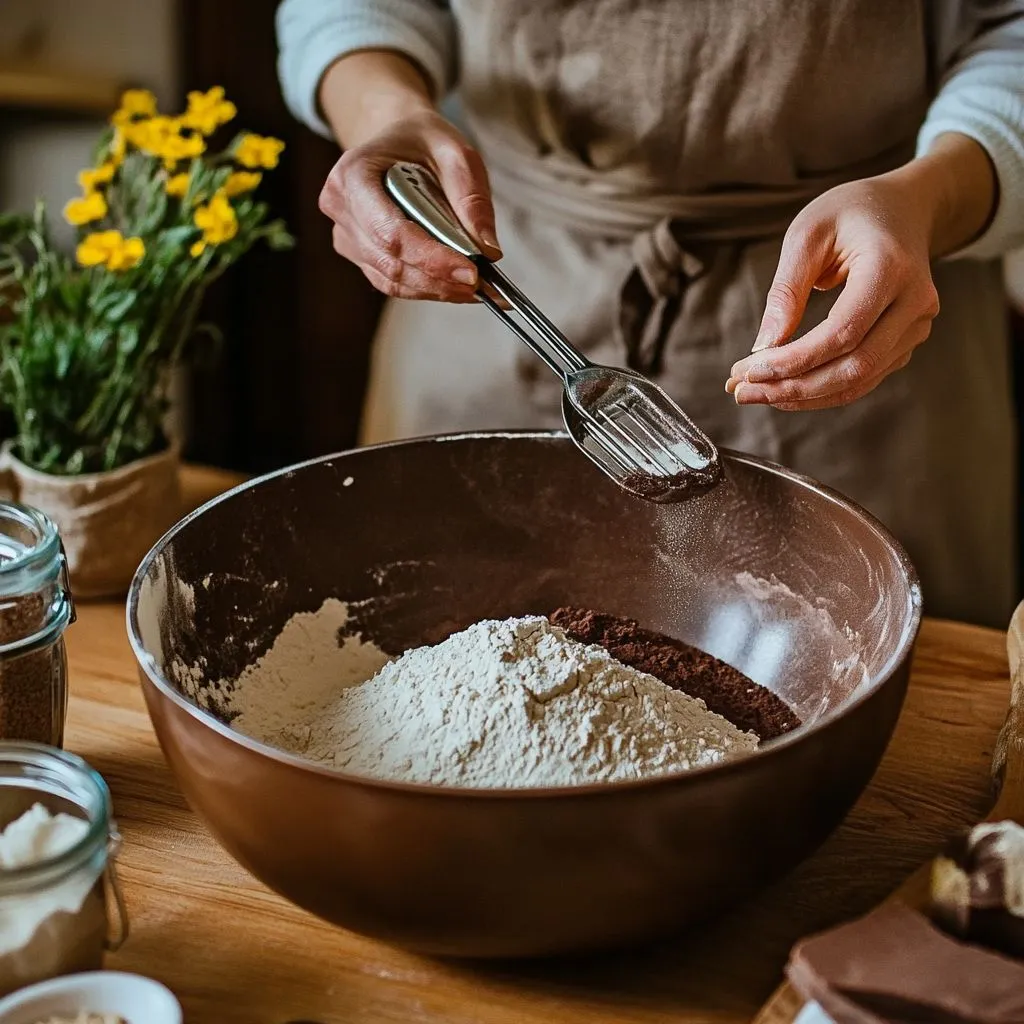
(255, 151)
(95, 249)
(207, 111)
(91, 178)
(138, 101)
(161, 137)
(217, 220)
(137, 133)
(241, 181)
(110, 249)
(85, 210)
(177, 185)
(198, 248)
(175, 148)
(127, 255)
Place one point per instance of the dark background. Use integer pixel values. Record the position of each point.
(297, 325)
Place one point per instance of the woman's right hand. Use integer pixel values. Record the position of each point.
(397, 256)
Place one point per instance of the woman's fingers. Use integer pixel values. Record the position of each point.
(887, 302)
(397, 255)
(870, 238)
(806, 252)
(866, 295)
(399, 279)
(343, 242)
(390, 236)
(394, 277)
(414, 285)
(893, 337)
(850, 395)
(463, 178)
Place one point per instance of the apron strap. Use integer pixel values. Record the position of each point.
(652, 295)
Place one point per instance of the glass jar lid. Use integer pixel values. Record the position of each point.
(33, 563)
(31, 555)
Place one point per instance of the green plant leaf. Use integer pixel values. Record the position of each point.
(118, 304)
(128, 339)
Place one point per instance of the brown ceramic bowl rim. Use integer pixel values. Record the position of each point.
(588, 790)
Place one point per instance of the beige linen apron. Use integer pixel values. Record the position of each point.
(646, 157)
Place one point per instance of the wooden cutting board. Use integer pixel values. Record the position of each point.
(1008, 776)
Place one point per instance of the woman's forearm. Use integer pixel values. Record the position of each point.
(957, 183)
(363, 93)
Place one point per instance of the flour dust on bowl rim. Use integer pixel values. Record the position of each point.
(782, 578)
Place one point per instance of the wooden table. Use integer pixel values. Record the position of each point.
(237, 954)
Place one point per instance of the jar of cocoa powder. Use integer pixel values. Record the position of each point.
(35, 608)
(58, 844)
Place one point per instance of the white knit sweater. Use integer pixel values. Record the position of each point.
(979, 43)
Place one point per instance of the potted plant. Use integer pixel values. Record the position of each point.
(89, 340)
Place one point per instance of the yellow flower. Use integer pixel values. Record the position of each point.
(162, 137)
(111, 250)
(177, 185)
(198, 248)
(91, 178)
(241, 181)
(129, 254)
(176, 148)
(88, 208)
(135, 104)
(207, 111)
(217, 220)
(96, 248)
(138, 102)
(258, 151)
(147, 134)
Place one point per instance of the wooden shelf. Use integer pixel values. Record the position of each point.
(32, 87)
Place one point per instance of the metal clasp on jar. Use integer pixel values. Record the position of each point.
(116, 940)
(65, 582)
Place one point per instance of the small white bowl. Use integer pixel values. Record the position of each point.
(136, 999)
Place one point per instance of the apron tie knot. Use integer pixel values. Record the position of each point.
(652, 295)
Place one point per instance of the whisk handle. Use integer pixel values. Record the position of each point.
(419, 195)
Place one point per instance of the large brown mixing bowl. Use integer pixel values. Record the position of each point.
(438, 533)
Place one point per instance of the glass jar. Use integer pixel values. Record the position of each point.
(35, 608)
(53, 913)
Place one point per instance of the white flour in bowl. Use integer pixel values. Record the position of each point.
(511, 703)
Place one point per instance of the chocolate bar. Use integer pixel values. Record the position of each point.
(895, 966)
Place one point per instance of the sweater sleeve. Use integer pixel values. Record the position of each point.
(980, 51)
(313, 34)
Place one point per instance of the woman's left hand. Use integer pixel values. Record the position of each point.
(876, 238)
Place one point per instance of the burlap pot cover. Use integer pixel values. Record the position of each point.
(108, 521)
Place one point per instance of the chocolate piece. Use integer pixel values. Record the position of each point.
(895, 966)
(977, 887)
(724, 689)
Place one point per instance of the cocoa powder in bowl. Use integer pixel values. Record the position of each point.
(724, 689)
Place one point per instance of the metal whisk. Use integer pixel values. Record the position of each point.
(623, 422)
